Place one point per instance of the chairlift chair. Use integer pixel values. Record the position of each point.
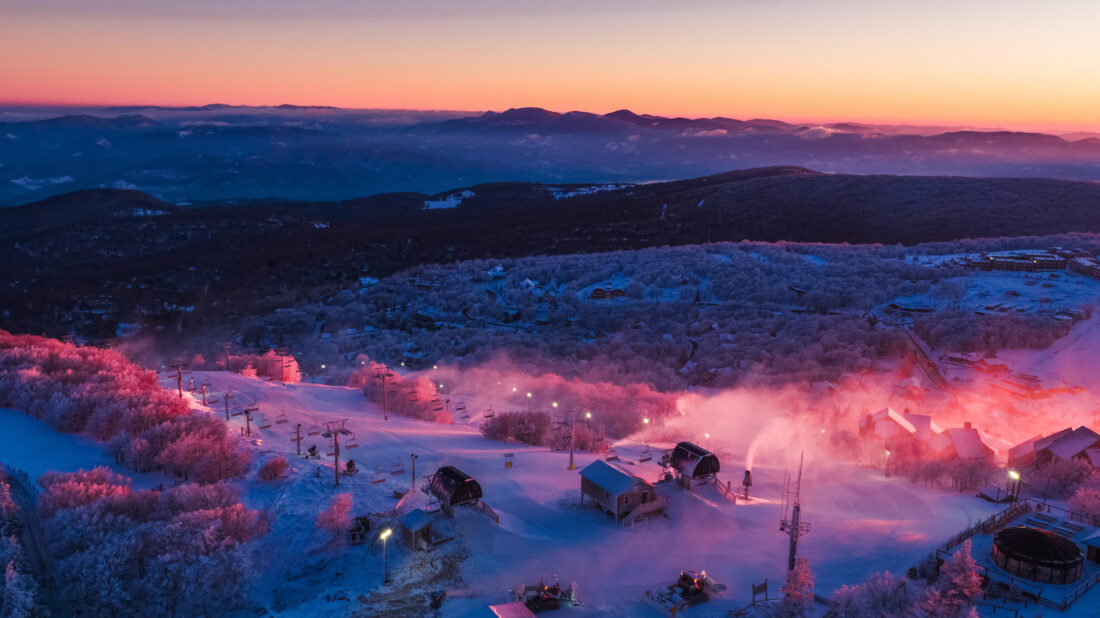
(331, 449)
(237, 412)
(281, 419)
(489, 413)
(352, 442)
(265, 422)
(378, 477)
(398, 468)
(314, 430)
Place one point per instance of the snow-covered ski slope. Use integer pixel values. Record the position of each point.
(861, 522)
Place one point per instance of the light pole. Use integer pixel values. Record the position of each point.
(385, 553)
(886, 467)
(528, 402)
(1014, 485)
(573, 433)
(645, 433)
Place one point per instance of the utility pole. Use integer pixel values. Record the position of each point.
(333, 429)
(794, 526)
(414, 456)
(382, 375)
(297, 439)
(204, 394)
(227, 398)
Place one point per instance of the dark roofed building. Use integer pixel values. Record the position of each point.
(453, 487)
(693, 464)
(1037, 555)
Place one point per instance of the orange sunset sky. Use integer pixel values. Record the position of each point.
(1006, 63)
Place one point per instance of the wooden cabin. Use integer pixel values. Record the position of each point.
(416, 529)
(619, 493)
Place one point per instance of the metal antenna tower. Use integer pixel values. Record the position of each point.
(793, 524)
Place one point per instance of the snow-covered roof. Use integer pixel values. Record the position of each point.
(416, 520)
(998, 445)
(1092, 540)
(1074, 443)
(925, 428)
(1093, 455)
(939, 441)
(968, 443)
(612, 479)
(511, 610)
(886, 429)
(1044, 442)
(1024, 449)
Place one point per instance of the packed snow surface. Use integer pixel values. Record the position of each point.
(862, 522)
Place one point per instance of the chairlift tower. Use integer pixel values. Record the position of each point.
(793, 524)
(333, 431)
(248, 420)
(382, 375)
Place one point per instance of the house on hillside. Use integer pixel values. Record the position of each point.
(1023, 454)
(965, 443)
(886, 424)
(619, 493)
(1067, 445)
(925, 428)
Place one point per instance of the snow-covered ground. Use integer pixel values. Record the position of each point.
(33, 446)
(862, 523)
(1010, 292)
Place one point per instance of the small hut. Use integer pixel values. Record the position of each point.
(694, 464)
(416, 529)
(619, 493)
(1092, 544)
(1038, 555)
(453, 487)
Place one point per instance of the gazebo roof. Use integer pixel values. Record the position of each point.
(1037, 546)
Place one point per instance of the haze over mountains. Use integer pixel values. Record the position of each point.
(222, 152)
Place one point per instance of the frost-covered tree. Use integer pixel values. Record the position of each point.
(881, 595)
(337, 516)
(273, 469)
(956, 589)
(798, 591)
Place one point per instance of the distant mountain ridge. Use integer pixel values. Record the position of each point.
(223, 152)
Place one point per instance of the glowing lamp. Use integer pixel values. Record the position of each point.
(386, 534)
(1014, 475)
(748, 479)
